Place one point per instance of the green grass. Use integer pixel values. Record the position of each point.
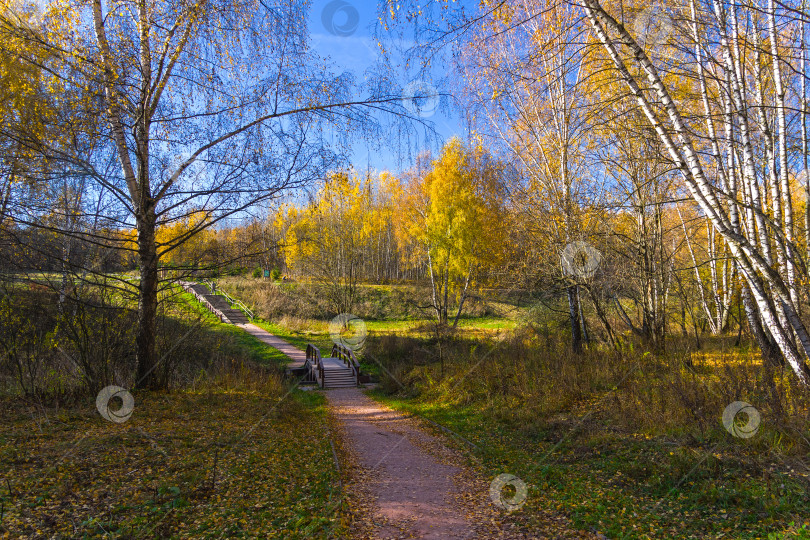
(630, 486)
(318, 335)
(297, 339)
(486, 323)
(404, 326)
(258, 351)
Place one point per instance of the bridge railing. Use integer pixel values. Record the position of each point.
(348, 357)
(315, 363)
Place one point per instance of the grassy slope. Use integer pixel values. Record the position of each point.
(625, 486)
(234, 455)
(258, 351)
(297, 338)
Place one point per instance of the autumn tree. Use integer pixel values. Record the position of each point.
(525, 83)
(325, 240)
(734, 152)
(24, 106)
(212, 106)
(188, 249)
(452, 213)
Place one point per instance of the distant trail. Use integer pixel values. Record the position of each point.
(296, 355)
(220, 307)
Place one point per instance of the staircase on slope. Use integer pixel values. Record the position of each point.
(234, 316)
(340, 370)
(339, 377)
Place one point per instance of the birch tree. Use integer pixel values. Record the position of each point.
(730, 173)
(525, 73)
(206, 106)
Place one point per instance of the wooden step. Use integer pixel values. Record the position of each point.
(339, 378)
(340, 385)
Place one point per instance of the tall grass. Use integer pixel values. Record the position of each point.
(273, 300)
(533, 380)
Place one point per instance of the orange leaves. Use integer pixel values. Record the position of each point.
(186, 239)
(346, 219)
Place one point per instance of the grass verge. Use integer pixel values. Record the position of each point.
(626, 486)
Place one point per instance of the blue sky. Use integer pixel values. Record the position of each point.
(343, 30)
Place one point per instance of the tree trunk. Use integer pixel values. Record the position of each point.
(434, 288)
(573, 313)
(147, 303)
(600, 312)
(446, 291)
(463, 296)
(805, 145)
(583, 321)
(768, 348)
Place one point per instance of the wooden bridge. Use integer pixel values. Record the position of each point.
(339, 370)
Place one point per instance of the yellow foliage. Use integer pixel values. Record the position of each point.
(452, 214)
(184, 240)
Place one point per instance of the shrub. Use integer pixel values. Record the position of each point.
(530, 378)
(88, 341)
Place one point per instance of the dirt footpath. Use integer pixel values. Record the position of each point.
(406, 483)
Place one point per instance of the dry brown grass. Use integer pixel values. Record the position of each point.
(535, 380)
